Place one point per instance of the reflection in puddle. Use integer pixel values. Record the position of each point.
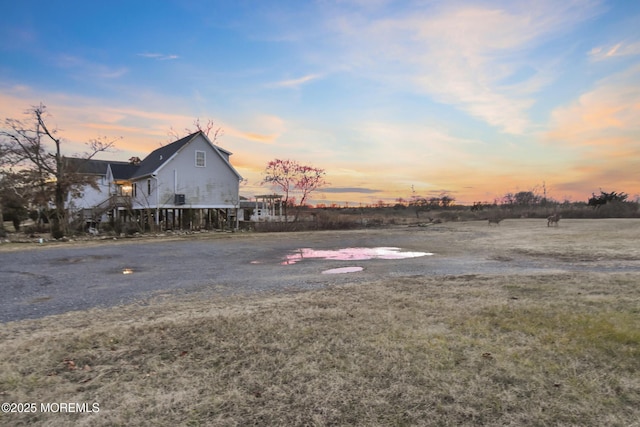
(342, 270)
(351, 254)
(127, 271)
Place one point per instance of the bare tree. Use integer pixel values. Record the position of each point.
(32, 145)
(526, 198)
(446, 200)
(206, 129)
(418, 202)
(4, 160)
(14, 195)
(289, 176)
(280, 174)
(309, 179)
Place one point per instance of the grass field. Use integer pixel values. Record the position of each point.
(557, 349)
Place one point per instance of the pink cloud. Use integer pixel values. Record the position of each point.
(608, 114)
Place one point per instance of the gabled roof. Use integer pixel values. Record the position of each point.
(153, 161)
(87, 166)
(158, 157)
(122, 170)
(150, 164)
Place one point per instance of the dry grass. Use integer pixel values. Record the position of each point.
(469, 350)
(579, 240)
(549, 349)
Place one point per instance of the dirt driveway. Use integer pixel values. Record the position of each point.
(44, 280)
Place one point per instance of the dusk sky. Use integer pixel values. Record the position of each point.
(472, 98)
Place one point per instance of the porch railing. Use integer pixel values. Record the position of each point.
(113, 202)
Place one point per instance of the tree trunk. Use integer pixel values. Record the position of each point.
(58, 226)
(1, 220)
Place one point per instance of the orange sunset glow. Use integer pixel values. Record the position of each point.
(472, 99)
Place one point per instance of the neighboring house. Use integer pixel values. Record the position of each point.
(189, 183)
(93, 200)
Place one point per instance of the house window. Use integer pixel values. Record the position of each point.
(135, 190)
(148, 187)
(200, 159)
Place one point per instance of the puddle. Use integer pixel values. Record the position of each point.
(342, 270)
(350, 254)
(127, 271)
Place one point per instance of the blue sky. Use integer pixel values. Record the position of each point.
(472, 98)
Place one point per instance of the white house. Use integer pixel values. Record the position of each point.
(93, 201)
(185, 184)
(89, 195)
(191, 173)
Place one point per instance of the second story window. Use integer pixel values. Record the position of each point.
(200, 159)
(148, 187)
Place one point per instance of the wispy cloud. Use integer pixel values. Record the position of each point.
(608, 111)
(16, 37)
(250, 136)
(89, 68)
(265, 129)
(601, 53)
(600, 129)
(462, 54)
(295, 83)
(361, 190)
(158, 56)
(80, 119)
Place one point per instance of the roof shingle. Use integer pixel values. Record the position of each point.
(157, 157)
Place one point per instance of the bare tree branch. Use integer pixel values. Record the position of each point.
(289, 176)
(206, 129)
(27, 148)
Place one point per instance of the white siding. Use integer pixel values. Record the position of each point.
(89, 196)
(213, 186)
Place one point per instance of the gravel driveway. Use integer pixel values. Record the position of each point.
(45, 280)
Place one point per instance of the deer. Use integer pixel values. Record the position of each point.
(553, 219)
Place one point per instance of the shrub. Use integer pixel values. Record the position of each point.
(618, 209)
(449, 216)
(34, 229)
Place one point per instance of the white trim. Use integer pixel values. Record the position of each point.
(204, 159)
